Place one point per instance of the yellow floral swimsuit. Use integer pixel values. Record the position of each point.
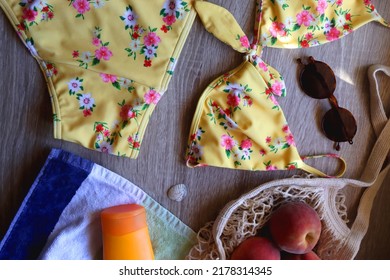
(238, 122)
(107, 63)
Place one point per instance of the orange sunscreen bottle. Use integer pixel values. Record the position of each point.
(125, 233)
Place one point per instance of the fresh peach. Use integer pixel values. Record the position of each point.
(295, 227)
(256, 248)
(308, 256)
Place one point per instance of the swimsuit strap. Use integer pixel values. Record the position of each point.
(381, 20)
(312, 170)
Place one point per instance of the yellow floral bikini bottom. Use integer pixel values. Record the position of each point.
(107, 63)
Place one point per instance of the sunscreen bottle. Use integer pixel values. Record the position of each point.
(125, 233)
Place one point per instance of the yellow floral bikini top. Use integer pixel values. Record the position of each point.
(238, 122)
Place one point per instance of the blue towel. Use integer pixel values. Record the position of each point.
(60, 216)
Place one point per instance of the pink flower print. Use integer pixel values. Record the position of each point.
(277, 88)
(309, 36)
(131, 114)
(268, 140)
(151, 39)
(82, 6)
(108, 78)
(246, 144)
(244, 42)
(95, 41)
(322, 5)
(233, 100)
(305, 18)
(290, 140)
(286, 129)
(152, 97)
(339, 3)
(103, 53)
(273, 99)
(333, 34)
(106, 133)
(271, 167)
(29, 15)
(277, 28)
(169, 20)
(263, 66)
(227, 142)
(75, 54)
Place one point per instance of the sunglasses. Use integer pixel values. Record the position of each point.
(318, 81)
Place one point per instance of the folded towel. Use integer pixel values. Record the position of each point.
(60, 216)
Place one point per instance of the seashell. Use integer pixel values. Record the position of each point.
(177, 192)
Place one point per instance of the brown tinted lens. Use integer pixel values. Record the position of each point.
(318, 80)
(339, 125)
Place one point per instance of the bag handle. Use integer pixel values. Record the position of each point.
(380, 122)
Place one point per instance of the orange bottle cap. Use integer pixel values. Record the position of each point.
(123, 219)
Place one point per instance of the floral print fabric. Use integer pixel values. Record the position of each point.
(227, 132)
(107, 63)
(309, 23)
(238, 122)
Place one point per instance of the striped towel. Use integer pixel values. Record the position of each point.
(60, 216)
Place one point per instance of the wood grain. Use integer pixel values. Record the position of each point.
(26, 129)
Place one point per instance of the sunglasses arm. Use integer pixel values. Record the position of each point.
(333, 101)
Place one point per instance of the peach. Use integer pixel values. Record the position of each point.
(295, 227)
(308, 256)
(256, 248)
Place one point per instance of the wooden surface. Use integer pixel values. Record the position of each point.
(26, 126)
